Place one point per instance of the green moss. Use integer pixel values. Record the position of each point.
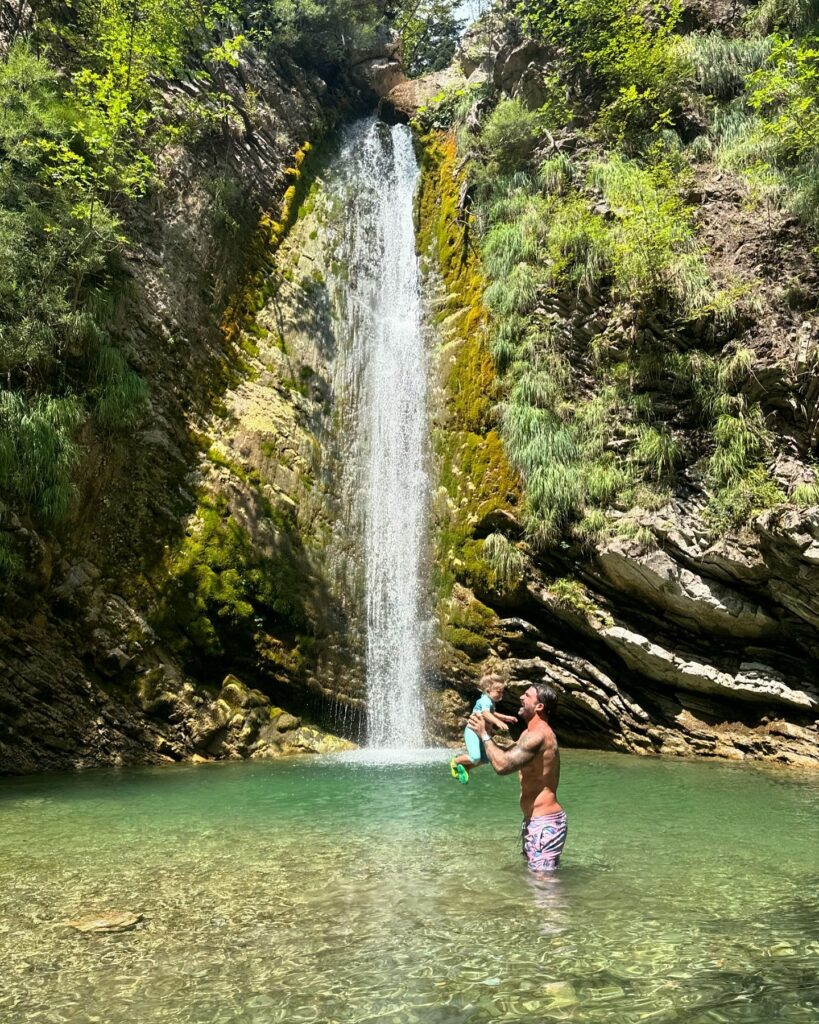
(474, 471)
(472, 644)
(221, 591)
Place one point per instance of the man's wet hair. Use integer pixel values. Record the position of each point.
(547, 696)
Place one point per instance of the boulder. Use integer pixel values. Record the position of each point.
(235, 693)
(514, 61)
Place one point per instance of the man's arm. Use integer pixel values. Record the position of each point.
(507, 761)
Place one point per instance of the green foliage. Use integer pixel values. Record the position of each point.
(785, 15)
(658, 450)
(509, 137)
(506, 562)
(743, 498)
(741, 441)
(315, 31)
(627, 52)
(654, 247)
(722, 65)
(39, 453)
(429, 34)
(570, 593)
(805, 495)
(771, 132)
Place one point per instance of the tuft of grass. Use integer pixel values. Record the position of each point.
(570, 593)
(805, 495)
(556, 173)
(39, 453)
(122, 395)
(742, 499)
(741, 441)
(721, 65)
(506, 562)
(658, 451)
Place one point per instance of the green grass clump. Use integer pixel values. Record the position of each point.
(506, 562)
(570, 593)
(805, 495)
(722, 64)
(658, 450)
(39, 454)
(743, 498)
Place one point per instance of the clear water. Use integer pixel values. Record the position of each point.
(381, 383)
(339, 891)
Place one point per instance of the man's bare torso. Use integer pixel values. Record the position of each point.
(540, 777)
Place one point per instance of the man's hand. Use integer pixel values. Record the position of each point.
(476, 723)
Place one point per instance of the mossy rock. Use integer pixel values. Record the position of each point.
(472, 644)
(237, 694)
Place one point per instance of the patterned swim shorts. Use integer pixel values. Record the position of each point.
(542, 841)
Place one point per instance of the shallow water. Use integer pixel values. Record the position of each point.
(336, 890)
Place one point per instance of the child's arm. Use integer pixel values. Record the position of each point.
(512, 719)
(496, 720)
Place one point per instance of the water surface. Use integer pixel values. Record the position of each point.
(342, 891)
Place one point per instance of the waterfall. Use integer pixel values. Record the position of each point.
(381, 381)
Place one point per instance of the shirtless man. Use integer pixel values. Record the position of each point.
(537, 760)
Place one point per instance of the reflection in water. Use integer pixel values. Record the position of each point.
(550, 896)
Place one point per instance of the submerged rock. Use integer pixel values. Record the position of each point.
(106, 921)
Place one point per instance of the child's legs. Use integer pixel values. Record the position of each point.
(467, 762)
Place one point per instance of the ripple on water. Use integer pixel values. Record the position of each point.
(328, 891)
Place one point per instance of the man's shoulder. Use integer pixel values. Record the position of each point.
(541, 737)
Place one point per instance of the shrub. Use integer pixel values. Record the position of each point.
(653, 247)
(509, 137)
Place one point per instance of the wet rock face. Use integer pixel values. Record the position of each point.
(686, 643)
(90, 671)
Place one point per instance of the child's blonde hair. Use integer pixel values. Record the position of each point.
(486, 682)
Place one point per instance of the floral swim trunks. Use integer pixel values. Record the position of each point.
(542, 841)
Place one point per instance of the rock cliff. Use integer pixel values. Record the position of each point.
(664, 633)
(191, 557)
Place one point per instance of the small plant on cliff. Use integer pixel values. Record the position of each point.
(39, 453)
(506, 561)
(658, 450)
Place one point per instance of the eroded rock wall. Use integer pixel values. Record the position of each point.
(696, 644)
(194, 553)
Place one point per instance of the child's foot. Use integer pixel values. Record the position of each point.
(453, 768)
(462, 773)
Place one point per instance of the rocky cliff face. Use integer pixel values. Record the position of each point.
(193, 553)
(667, 635)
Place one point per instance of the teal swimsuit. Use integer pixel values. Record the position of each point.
(474, 747)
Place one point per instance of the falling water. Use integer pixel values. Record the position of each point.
(382, 375)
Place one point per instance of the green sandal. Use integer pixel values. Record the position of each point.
(457, 771)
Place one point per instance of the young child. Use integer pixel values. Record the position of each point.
(492, 687)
